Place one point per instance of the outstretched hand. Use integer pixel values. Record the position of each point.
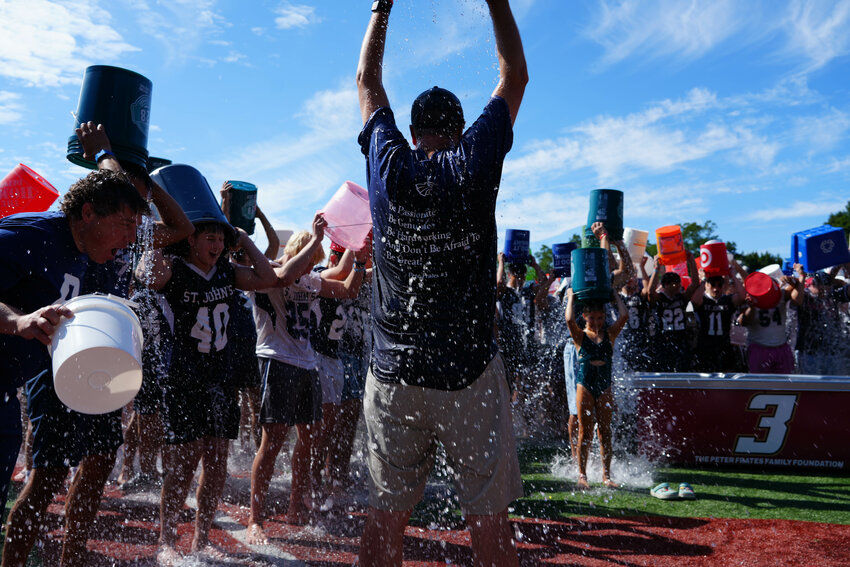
(319, 224)
(93, 138)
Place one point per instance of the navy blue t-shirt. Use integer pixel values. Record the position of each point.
(434, 219)
(39, 265)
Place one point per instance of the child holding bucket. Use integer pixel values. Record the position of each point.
(291, 389)
(595, 347)
(200, 409)
(672, 349)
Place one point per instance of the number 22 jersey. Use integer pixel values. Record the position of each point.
(282, 316)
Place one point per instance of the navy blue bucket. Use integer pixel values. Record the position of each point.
(517, 245)
(121, 101)
(561, 259)
(155, 163)
(192, 192)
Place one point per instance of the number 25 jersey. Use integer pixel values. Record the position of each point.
(282, 315)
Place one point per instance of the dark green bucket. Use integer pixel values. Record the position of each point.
(121, 101)
(243, 205)
(591, 280)
(606, 206)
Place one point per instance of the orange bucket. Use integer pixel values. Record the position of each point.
(25, 191)
(671, 248)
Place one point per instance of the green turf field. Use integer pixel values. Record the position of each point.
(721, 493)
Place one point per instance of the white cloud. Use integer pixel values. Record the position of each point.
(798, 209)
(819, 31)
(49, 43)
(684, 30)
(10, 108)
(183, 27)
(295, 16)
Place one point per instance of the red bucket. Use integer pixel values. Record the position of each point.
(25, 191)
(763, 289)
(713, 258)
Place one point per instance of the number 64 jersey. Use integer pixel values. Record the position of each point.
(202, 305)
(282, 315)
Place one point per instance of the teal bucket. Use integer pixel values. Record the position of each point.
(591, 279)
(190, 189)
(121, 101)
(243, 205)
(606, 206)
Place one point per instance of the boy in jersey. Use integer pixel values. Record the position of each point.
(200, 409)
(44, 258)
(291, 391)
(715, 311)
(671, 347)
(768, 351)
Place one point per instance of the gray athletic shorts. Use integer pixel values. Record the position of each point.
(474, 425)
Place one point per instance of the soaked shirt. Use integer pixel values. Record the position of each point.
(282, 317)
(327, 323)
(434, 250)
(819, 323)
(767, 326)
(39, 266)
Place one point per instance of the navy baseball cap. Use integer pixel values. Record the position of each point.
(436, 109)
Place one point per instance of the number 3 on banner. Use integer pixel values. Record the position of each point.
(774, 423)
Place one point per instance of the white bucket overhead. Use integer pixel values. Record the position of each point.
(773, 270)
(97, 354)
(635, 241)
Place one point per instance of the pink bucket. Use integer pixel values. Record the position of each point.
(25, 191)
(348, 215)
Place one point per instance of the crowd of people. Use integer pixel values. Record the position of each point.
(423, 330)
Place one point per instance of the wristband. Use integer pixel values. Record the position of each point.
(102, 154)
(359, 270)
(383, 6)
(359, 264)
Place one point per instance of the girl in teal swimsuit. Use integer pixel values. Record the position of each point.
(595, 346)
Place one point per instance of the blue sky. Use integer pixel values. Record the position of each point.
(722, 110)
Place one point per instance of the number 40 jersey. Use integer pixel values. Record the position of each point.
(282, 315)
(202, 306)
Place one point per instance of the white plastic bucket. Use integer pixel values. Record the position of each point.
(348, 215)
(97, 354)
(635, 241)
(282, 237)
(773, 270)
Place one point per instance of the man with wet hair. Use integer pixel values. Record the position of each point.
(43, 262)
(435, 374)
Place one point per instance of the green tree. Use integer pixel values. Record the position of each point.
(757, 260)
(545, 260)
(576, 238)
(841, 219)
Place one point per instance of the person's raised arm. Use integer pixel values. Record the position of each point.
(739, 294)
(513, 71)
(501, 284)
(292, 269)
(154, 269)
(652, 293)
(175, 225)
(575, 331)
(349, 288)
(692, 273)
(274, 242)
(644, 277)
(699, 292)
(622, 317)
(260, 275)
(370, 83)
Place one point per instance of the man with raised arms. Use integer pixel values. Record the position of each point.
(435, 373)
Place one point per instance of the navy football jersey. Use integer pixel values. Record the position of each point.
(39, 266)
(671, 313)
(715, 320)
(327, 323)
(202, 305)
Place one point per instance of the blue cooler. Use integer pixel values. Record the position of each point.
(788, 267)
(517, 246)
(561, 259)
(820, 247)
